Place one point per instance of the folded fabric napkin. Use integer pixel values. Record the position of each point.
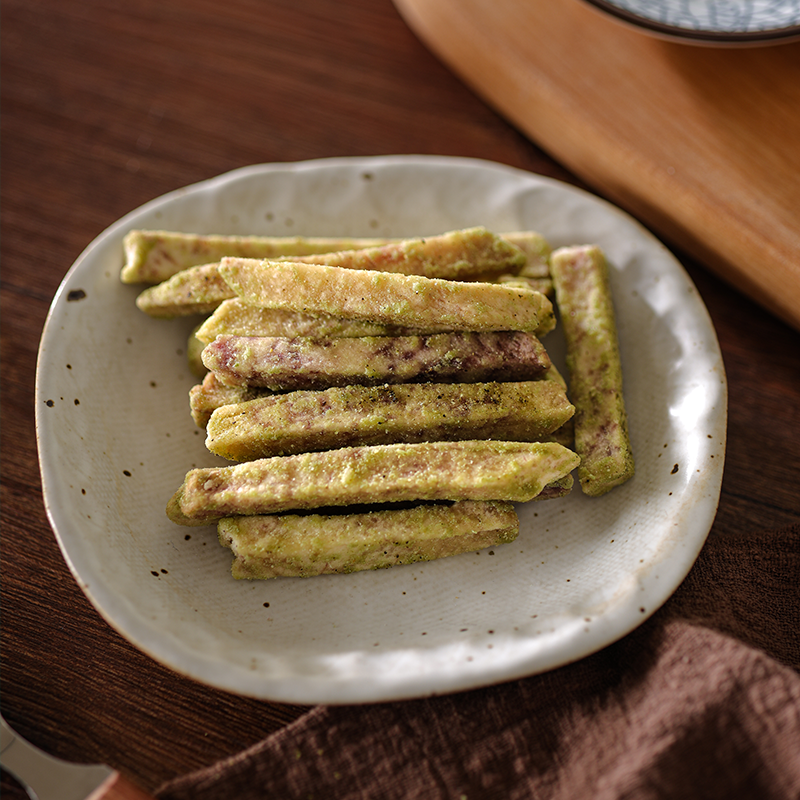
(701, 701)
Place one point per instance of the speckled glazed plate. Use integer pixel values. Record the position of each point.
(116, 438)
(711, 22)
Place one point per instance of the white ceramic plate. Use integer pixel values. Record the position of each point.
(115, 440)
(730, 22)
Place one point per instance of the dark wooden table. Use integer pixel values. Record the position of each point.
(107, 105)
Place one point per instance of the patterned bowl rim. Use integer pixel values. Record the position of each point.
(698, 35)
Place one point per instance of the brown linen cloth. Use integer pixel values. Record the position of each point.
(702, 701)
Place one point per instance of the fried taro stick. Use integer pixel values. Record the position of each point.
(289, 364)
(583, 295)
(535, 272)
(209, 395)
(155, 256)
(194, 354)
(294, 545)
(536, 250)
(391, 473)
(235, 318)
(557, 488)
(198, 290)
(429, 303)
(457, 255)
(543, 285)
(347, 416)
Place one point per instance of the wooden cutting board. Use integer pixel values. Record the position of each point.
(701, 144)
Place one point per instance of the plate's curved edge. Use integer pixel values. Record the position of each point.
(301, 690)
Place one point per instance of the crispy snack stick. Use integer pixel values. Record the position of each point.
(293, 545)
(429, 303)
(555, 489)
(536, 250)
(565, 433)
(543, 285)
(235, 318)
(289, 364)
(155, 256)
(206, 397)
(346, 416)
(391, 473)
(583, 293)
(457, 255)
(194, 352)
(202, 290)
(197, 290)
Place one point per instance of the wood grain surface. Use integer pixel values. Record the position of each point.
(701, 143)
(107, 105)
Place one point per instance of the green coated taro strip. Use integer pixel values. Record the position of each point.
(457, 255)
(454, 256)
(557, 488)
(536, 250)
(357, 415)
(461, 357)
(293, 545)
(155, 256)
(209, 395)
(392, 473)
(202, 290)
(543, 285)
(198, 290)
(583, 295)
(235, 318)
(194, 354)
(388, 298)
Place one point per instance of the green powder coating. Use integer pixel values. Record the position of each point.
(536, 250)
(235, 318)
(305, 421)
(457, 255)
(155, 256)
(315, 544)
(583, 294)
(470, 470)
(196, 290)
(194, 349)
(209, 395)
(284, 364)
(140, 264)
(388, 298)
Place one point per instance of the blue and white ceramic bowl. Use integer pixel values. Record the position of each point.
(711, 21)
